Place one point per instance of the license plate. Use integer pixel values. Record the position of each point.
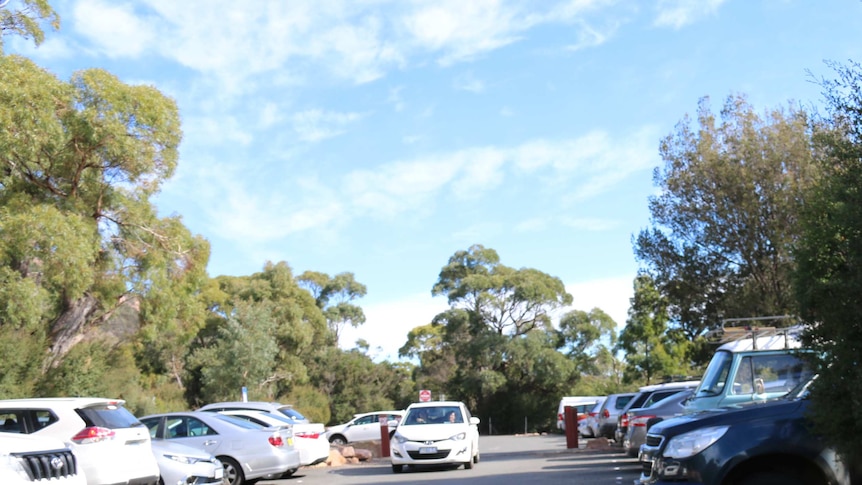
(290, 442)
(219, 473)
(428, 449)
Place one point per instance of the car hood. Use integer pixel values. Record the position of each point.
(431, 432)
(162, 446)
(728, 415)
(21, 443)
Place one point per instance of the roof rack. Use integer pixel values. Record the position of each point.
(735, 329)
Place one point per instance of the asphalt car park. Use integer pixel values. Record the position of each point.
(509, 459)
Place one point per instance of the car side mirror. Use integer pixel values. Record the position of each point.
(474, 420)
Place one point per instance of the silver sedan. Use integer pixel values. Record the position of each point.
(246, 450)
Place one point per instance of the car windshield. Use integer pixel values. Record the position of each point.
(434, 415)
(716, 374)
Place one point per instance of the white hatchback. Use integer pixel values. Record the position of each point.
(111, 445)
(435, 433)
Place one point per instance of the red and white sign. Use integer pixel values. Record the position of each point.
(424, 395)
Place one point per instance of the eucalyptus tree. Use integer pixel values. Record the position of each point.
(335, 295)
(726, 215)
(828, 278)
(26, 21)
(652, 350)
(586, 336)
(79, 236)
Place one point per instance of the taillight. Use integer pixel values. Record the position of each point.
(275, 440)
(593, 414)
(641, 421)
(560, 417)
(624, 420)
(93, 434)
(309, 434)
(606, 414)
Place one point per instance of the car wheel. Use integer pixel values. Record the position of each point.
(476, 458)
(338, 440)
(288, 473)
(397, 468)
(776, 478)
(232, 471)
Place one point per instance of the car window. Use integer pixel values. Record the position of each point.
(622, 401)
(152, 424)
(11, 422)
(293, 414)
(109, 415)
(238, 422)
(196, 427)
(366, 419)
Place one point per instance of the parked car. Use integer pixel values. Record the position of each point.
(110, 444)
(607, 419)
(588, 427)
(183, 464)
(582, 405)
(435, 433)
(246, 450)
(363, 427)
(752, 364)
(309, 439)
(640, 419)
(270, 407)
(646, 397)
(28, 460)
(755, 443)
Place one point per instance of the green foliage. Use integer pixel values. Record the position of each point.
(27, 21)
(726, 215)
(829, 272)
(243, 354)
(310, 401)
(334, 295)
(81, 373)
(585, 336)
(652, 352)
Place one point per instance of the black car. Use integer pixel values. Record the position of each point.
(766, 443)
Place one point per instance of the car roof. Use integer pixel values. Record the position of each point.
(359, 415)
(60, 402)
(670, 385)
(249, 404)
(434, 404)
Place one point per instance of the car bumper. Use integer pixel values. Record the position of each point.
(441, 452)
(312, 450)
(200, 473)
(107, 463)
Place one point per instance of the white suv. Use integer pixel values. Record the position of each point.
(32, 460)
(111, 445)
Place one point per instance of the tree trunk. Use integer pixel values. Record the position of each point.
(68, 329)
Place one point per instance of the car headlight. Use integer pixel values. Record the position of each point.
(693, 442)
(458, 437)
(188, 460)
(399, 438)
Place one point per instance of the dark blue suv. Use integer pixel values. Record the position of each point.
(766, 443)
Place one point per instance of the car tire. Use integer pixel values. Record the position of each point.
(476, 458)
(289, 473)
(397, 468)
(233, 474)
(776, 478)
(338, 440)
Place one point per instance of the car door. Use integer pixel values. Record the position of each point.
(191, 431)
(366, 428)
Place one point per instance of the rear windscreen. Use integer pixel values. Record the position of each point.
(109, 416)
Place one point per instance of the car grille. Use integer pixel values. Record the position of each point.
(647, 468)
(653, 440)
(428, 456)
(48, 465)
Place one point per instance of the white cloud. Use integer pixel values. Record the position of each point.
(679, 13)
(115, 28)
(468, 83)
(611, 295)
(316, 125)
(388, 323)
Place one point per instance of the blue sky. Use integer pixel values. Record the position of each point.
(379, 137)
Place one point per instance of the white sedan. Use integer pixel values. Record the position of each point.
(435, 433)
(309, 438)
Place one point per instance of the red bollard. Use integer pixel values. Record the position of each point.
(384, 436)
(571, 419)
